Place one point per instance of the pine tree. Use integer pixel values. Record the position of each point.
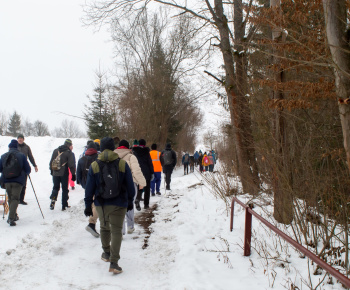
(14, 124)
(98, 115)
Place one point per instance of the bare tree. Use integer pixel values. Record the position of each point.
(40, 129)
(4, 120)
(27, 127)
(68, 129)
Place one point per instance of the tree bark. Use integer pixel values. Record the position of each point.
(236, 89)
(338, 41)
(283, 200)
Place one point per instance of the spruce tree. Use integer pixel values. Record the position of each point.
(98, 115)
(14, 124)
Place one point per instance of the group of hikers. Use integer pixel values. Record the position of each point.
(114, 175)
(205, 161)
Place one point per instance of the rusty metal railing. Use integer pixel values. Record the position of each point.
(248, 236)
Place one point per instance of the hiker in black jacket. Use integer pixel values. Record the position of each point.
(25, 149)
(168, 160)
(144, 158)
(65, 158)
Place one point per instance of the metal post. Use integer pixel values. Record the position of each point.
(247, 232)
(232, 213)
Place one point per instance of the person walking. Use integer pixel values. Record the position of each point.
(14, 167)
(200, 161)
(62, 158)
(205, 161)
(185, 162)
(144, 158)
(139, 180)
(211, 162)
(84, 163)
(110, 187)
(168, 161)
(25, 149)
(196, 156)
(157, 167)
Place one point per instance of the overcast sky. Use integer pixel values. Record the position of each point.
(48, 59)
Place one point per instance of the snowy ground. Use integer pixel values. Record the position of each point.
(190, 246)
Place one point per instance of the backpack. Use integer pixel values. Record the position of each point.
(11, 165)
(167, 157)
(206, 161)
(56, 163)
(186, 158)
(85, 169)
(110, 186)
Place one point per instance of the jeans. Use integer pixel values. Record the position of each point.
(155, 183)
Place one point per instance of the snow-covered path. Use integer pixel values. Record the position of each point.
(187, 249)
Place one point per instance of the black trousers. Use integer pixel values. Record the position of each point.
(23, 191)
(63, 181)
(147, 190)
(186, 168)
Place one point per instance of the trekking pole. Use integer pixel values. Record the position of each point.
(36, 196)
(3, 215)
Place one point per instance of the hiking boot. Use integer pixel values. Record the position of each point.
(65, 207)
(113, 267)
(153, 194)
(11, 222)
(131, 230)
(158, 193)
(23, 202)
(146, 207)
(106, 257)
(137, 205)
(167, 187)
(91, 228)
(16, 217)
(52, 204)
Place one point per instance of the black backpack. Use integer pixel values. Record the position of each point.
(110, 186)
(11, 165)
(167, 157)
(186, 159)
(85, 169)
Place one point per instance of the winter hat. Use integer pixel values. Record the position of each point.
(154, 147)
(142, 142)
(20, 136)
(88, 142)
(98, 141)
(107, 143)
(68, 142)
(168, 146)
(92, 145)
(124, 143)
(136, 143)
(13, 144)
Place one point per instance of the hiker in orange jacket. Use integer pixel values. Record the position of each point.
(157, 166)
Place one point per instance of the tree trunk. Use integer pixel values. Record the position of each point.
(283, 200)
(236, 89)
(338, 41)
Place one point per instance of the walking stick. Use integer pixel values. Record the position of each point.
(3, 215)
(36, 196)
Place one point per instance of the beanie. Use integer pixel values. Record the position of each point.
(142, 142)
(154, 147)
(168, 146)
(13, 143)
(92, 145)
(136, 143)
(124, 143)
(20, 136)
(68, 142)
(88, 142)
(97, 141)
(107, 143)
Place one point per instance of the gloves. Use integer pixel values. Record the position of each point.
(152, 177)
(130, 206)
(74, 177)
(88, 211)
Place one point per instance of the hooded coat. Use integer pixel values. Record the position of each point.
(133, 163)
(67, 158)
(145, 161)
(125, 197)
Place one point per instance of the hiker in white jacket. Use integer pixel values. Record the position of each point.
(139, 180)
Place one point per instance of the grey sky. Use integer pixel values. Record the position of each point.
(48, 59)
